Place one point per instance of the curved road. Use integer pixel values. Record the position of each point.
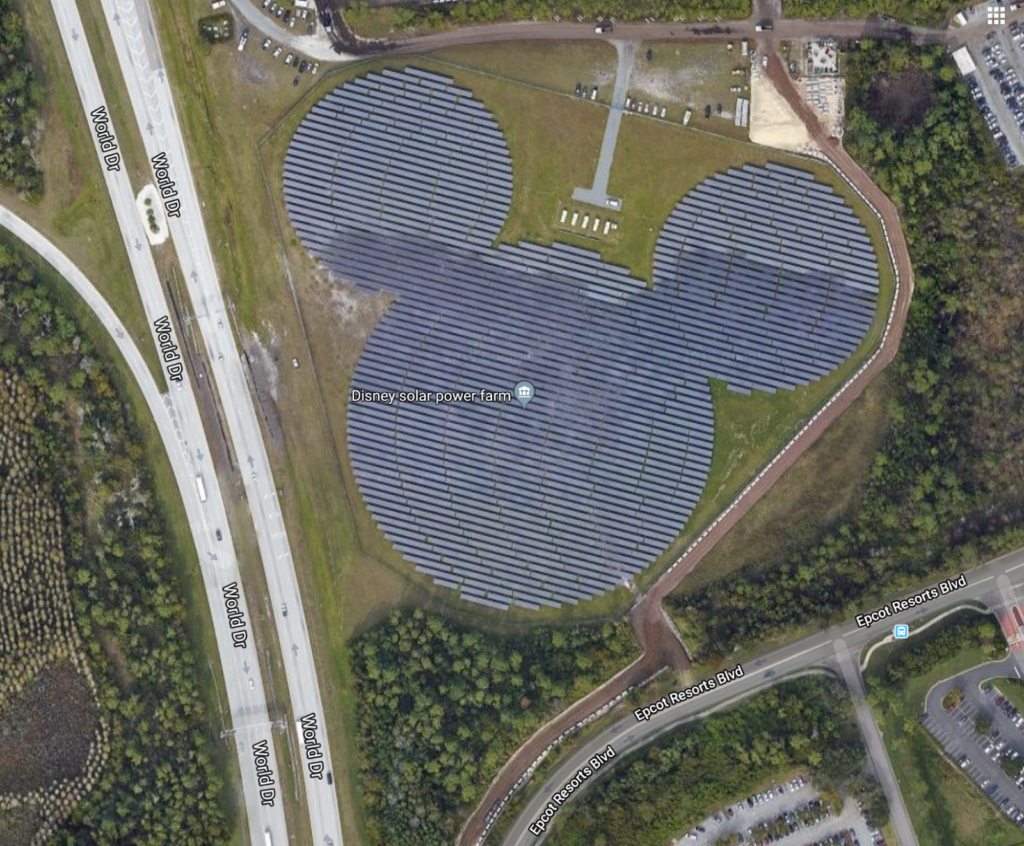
(177, 419)
(817, 650)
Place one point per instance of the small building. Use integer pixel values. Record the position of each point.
(962, 57)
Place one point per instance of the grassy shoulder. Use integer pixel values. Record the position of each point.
(664, 789)
(442, 707)
(74, 210)
(946, 808)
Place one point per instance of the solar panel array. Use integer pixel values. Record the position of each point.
(764, 278)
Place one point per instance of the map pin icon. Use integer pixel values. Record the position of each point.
(524, 393)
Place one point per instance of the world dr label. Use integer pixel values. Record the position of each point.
(307, 728)
(264, 774)
(236, 617)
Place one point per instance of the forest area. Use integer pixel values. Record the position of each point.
(21, 97)
(654, 795)
(92, 613)
(433, 16)
(946, 490)
(442, 707)
(919, 12)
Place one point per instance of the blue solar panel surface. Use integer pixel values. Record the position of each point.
(763, 278)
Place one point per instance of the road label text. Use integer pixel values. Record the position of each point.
(571, 786)
(865, 621)
(162, 172)
(314, 757)
(677, 696)
(168, 349)
(105, 138)
(236, 617)
(264, 775)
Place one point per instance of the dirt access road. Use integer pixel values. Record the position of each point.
(654, 631)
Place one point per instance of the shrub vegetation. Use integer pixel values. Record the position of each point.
(442, 707)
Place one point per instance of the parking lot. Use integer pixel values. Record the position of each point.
(997, 85)
(992, 759)
(789, 814)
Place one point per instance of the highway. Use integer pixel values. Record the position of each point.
(260, 771)
(817, 650)
(177, 418)
(142, 66)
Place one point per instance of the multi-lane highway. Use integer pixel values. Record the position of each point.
(138, 54)
(260, 771)
(177, 416)
(817, 650)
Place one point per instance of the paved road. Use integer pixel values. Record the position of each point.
(815, 650)
(177, 418)
(138, 53)
(849, 666)
(598, 194)
(314, 46)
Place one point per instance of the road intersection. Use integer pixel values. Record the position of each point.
(815, 651)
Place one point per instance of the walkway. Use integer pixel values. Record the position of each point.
(598, 194)
(875, 746)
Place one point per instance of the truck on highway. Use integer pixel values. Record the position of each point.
(201, 488)
(266, 838)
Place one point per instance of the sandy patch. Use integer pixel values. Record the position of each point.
(148, 201)
(773, 122)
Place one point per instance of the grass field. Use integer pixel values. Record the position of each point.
(945, 807)
(680, 76)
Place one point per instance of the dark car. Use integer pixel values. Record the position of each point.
(219, 535)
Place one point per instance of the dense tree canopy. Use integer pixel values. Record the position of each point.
(489, 11)
(947, 487)
(159, 785)
(20, 99)
(673, 783)
(910, 11)
(442, 707)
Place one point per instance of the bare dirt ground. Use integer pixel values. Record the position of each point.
(653, 629)
(773, 121)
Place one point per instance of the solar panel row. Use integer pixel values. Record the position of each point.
(764, 278)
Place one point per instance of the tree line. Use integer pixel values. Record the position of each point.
(441, 707)
(468, 12)
(946, 489)
(159, 784)
(21, 97)
(925, 12)
(661, 791)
